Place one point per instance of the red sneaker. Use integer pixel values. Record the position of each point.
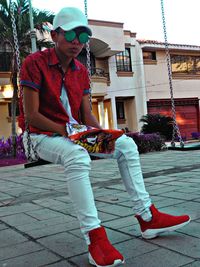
(101, 252)
(161, 222)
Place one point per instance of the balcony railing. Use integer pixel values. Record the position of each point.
(100, 73)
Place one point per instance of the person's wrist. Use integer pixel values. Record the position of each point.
(62, 131)
(65, 132)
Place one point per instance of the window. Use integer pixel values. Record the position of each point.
(5, 56)
(120, 110)
(5, 61)
(149, 55)
(185, 64)
(123, 60)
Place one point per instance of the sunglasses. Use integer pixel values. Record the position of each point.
(83, 37)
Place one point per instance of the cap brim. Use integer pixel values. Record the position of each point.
(68, 27)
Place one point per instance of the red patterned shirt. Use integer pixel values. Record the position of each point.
(42, 72)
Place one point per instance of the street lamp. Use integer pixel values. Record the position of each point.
(33, 33)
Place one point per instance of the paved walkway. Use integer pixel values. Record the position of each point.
(38, 225)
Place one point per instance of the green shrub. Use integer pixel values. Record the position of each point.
(157, 123)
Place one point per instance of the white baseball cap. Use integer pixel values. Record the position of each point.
(69, 18)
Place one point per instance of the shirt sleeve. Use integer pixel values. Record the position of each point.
(30, 74)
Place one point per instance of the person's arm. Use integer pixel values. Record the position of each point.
(34, 117)
(87, 117)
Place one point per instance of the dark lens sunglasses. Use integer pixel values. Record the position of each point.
(83, 37)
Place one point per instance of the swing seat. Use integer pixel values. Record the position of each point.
(40, 162)
(35, 163)
(188, 146)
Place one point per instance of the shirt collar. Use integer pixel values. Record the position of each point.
(53, 60)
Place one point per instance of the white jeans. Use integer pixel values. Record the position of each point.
(76, 162)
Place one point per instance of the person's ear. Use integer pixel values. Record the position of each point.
(54, 36)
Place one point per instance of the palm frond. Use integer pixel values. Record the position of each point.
(22, 21)
(41, 17)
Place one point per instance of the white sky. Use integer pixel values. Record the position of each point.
(141, 16)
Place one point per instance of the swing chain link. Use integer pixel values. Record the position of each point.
(176, 131)
(16, 44)
(88, 64)
(17, 57)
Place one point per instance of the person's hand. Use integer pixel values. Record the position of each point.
(111, 145)
(62, 131)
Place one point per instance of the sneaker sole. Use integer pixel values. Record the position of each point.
(116, 262)
(152, 233)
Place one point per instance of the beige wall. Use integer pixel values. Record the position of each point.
(5, 122)
(130, 115)
(108, 113)
(102, 64)
(110, 33)
(157, 85)
(5, 126)
(132, 86)
(95, 110)
(130, 111)
(5, 78)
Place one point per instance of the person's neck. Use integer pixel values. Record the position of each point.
(64, 61)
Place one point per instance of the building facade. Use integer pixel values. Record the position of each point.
(185, 67)
(120, 101)
(118, 97)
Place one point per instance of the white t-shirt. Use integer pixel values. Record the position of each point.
(65, 101)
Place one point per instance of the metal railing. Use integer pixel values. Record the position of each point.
(98, 72)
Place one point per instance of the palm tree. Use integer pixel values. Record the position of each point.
(157, 123)
(21, 14)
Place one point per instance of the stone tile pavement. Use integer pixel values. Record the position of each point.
(38, 226)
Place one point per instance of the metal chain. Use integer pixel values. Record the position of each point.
(88, 58)
(17, 56)
(176, 131)
(16, 44)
